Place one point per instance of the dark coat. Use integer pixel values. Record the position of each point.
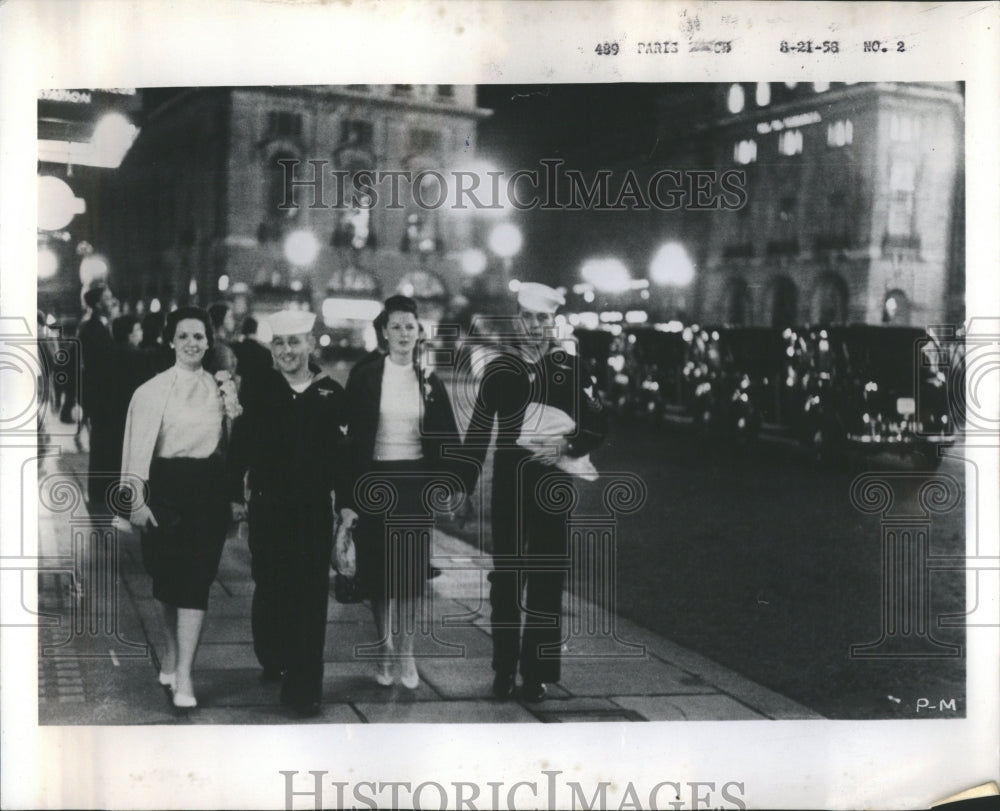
(438, 431)
(98, 351)
(293, 445)
(509, 385)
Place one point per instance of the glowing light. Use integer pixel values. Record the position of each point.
(223, 282)
(671, 266)
(513, 285)
(296, 285)
(588, 296)
(57, 205)
(609, 274)
(636, 317)
(92, 268)
(505, 240)
(337, 310)
(154, 305)
(736, 98)
(193, 287)
(48, 263)
(763, 94)
(473, 261)
(301, 248)
(113, 136)
(324, 340)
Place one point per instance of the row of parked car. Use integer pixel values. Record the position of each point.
(828, 389)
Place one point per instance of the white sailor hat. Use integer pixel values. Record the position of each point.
(539, 298)
(291, 322)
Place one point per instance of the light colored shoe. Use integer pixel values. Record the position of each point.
(409, 677)
(168, 679)
(383, 674)
(185, 701)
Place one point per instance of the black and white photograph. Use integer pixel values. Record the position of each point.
(402, 415)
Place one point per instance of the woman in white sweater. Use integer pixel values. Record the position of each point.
(174, 441)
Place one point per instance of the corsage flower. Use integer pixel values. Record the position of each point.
(227, 391)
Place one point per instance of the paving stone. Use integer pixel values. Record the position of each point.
(626, 677)
(354, 682)
(688, 708)
(235, 606)
(329, 714)
(229, 656)
(446, 712)
(226, 629)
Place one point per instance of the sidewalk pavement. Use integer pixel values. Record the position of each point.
(100, 667)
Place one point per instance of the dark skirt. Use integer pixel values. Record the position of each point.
(188, 501)
(393, 545)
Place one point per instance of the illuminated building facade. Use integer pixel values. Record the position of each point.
(198, 210)
(855, 207)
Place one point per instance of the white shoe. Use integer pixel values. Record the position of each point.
(185, 701)
(168, 679)
(409, 677)
(383, 674)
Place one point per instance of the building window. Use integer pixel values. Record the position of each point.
(903, 127)
(424, 142)
(356, 133)
(763, 94)
(446, 91)
(902, 193)
(896, 308)
(402, 89)
(284, 125)
(790, 142)
(745, 152)
(736, 99)
(280, 192)
(836, 229)
(840, 133)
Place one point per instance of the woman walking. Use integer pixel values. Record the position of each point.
(174, 441)
(399, 421)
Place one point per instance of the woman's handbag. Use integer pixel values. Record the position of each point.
(345, 559)
(346, 584)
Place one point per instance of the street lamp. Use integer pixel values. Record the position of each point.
(57, 205)
(473, 261)
(609, 275)
(301, 248)
(506, 241)
(672, 268)
(92, 268)
(48, 263)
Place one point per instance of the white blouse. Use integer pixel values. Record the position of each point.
(192, 417)
(398, 435)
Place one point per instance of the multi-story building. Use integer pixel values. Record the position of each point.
(200, 208)
(854, 212)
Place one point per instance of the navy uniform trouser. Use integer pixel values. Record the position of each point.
(290, 545)
(525, 526)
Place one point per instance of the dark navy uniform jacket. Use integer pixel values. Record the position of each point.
(509, 384)
(293, 445)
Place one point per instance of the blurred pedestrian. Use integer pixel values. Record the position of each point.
(130, 368)
(98, 350)
(291, 440)
(161, 356)
(253, 358)
(221, 357)
(175, 435)
(400, 420)
(538, 372)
